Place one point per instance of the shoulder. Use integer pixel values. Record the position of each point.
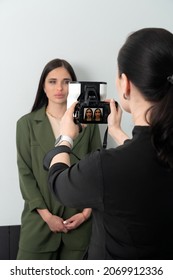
(24, 117)
(35, 115)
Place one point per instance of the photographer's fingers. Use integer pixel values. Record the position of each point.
(67, 125)
(71, 109)
(79, 126)
(114, 117)
(113, 105)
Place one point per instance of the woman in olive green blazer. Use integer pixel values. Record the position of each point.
(35, 136)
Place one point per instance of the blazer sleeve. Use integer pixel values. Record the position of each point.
(28, 184)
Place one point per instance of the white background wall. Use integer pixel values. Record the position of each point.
(87, 33)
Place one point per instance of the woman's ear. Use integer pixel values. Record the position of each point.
(125, 85)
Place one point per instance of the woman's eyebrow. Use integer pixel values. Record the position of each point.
(67, 79)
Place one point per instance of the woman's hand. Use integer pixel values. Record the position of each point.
(114, 118)
(56, 224)
(76, 220)
(114, 124)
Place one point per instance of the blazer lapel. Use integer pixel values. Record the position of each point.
(78, 139)
(43, 130)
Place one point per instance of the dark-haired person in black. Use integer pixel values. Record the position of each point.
(129, 188)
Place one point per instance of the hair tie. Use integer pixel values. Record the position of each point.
(170, 79)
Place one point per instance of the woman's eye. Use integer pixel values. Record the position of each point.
(66, 82)
(52, 82)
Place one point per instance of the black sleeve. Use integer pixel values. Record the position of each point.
(78, 186)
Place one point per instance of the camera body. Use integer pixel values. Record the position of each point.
(90, 107)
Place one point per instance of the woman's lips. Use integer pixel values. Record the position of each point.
(59, 95)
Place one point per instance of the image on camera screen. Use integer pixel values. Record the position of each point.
(93, 115)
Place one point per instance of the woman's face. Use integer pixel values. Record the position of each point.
(56, 85)
(97, 113)
(89, 113)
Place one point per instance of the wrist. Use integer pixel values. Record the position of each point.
(64, 138)
(86, 213)
(85, 218)
(64, 143)
(45, 214)
(47, 217)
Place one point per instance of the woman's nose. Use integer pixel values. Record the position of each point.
(59, 86)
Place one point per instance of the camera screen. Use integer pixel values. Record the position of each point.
(93, 115)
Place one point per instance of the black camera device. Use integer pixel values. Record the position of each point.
(90, 107)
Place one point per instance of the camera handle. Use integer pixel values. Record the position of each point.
(105, 138)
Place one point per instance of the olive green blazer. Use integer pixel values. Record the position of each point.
(34, 138)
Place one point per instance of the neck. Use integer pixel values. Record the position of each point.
(139, 110)
(56, 111)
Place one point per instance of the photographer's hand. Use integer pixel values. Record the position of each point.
(114, 124)
(68, 126)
